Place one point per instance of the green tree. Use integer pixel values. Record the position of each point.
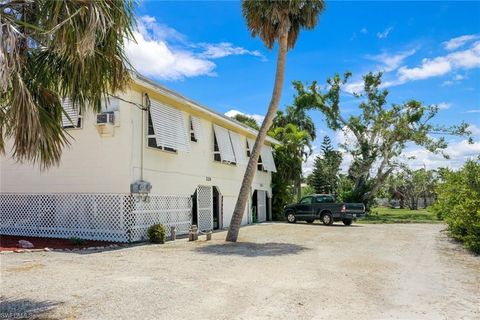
(55, 49)
(297, 116)
(458, 202)
(410, 185)
(379, 133)
(272, 21)
(289, 157)
(326, 169)
(249, 121)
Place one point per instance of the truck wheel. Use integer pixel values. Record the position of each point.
(347, 222)
(310, 221)
(291, 217)
(327, 219)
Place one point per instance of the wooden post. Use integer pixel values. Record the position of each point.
(209, 235)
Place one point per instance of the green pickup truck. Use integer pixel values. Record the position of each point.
(324, 208)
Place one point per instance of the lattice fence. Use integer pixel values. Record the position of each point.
(171, 211)
(108, 217)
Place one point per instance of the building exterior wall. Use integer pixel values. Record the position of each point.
(108, 164)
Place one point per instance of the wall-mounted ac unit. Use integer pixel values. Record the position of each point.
(106, 121)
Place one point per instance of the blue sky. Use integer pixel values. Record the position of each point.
(429, 51)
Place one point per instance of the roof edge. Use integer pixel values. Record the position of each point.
(142, 80)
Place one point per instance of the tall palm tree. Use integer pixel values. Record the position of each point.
(273, 21)
(55, 49)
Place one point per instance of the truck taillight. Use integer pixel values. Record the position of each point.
(344, 209)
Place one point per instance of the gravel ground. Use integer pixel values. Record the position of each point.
(276, 271)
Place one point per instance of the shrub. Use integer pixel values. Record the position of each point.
(458, 202)
(157, 233)
(77, 241)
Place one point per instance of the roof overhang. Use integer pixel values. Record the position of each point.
(221, 118)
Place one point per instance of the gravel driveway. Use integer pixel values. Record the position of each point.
(277, 271)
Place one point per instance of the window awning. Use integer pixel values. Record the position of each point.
(224, 144)
(239, 147)
(267, 159)
(170, 127)
(197, 128)
(71, 112)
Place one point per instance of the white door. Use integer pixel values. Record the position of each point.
(205, 208)
(262, 205)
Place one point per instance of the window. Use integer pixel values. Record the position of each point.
(216, 151)
(223, 145)
(151, 138)
(167, 128)
(195, 129)
(248, 148)
(74, 119)
(306, 200)
(325, 199)
(192, 132)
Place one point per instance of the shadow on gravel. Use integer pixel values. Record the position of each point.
(25, 308)
(250, 249)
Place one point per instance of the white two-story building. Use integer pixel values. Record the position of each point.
(194, 159)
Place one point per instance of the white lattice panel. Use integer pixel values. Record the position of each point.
(171, 211)
(86, 216)
(205, 208)
(262, 205)
(107, 217)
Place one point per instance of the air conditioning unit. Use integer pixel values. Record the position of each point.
(106, 121)
(106, 118)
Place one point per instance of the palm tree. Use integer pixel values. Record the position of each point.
(55, 49)
(273, 21)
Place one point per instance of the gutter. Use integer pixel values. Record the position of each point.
(146, 82)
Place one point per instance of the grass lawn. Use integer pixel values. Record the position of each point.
(389, 215)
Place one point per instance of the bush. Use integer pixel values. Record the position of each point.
(157, 233)
(458, 203)
(77, 241)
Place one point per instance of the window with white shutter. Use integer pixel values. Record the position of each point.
(239, 147)
(195, 129)
(267, 159)
(74, 119)
(167, 128)
(224, 145)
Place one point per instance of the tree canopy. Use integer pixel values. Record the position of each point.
(380, 133)
(249, 121)
(325, 175)
(55, 49)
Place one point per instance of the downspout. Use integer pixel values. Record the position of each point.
(145, 107)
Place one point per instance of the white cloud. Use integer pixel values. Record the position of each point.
(364, 30)
(438, 66)
(224, 49)
(472, 111)
(232, 113)
(459, 152)
(444, 105)
(390, 62)
(354, 87)
(458, 42)
(155, 58)
(153, 54)
(384, 33)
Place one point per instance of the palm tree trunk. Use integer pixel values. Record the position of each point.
(234, 228)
